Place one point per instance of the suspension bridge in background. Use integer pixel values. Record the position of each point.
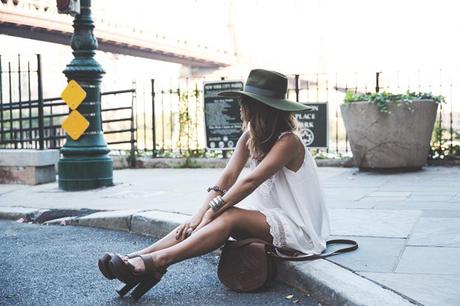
(40, 20)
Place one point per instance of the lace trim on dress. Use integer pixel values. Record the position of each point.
(276, 229)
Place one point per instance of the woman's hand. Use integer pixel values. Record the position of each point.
(208, 217)
(186, 229)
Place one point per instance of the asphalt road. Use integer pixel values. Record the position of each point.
(57, 265)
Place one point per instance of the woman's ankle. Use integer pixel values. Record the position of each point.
(161, 261)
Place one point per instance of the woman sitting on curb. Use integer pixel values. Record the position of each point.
(287, 210)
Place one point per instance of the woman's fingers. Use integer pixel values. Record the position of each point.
(179, 231)
(185, 232)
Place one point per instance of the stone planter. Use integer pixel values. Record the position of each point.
(399, 140)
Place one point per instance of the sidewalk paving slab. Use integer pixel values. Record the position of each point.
(376, 223)
(367, 258)
(436, 232)
(427, 289)
(430, 260)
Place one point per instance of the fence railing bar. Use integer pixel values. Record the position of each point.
(116, 120)
(119, 142)
(116, 92)
(115, 109)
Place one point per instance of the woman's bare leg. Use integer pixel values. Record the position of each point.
(236, 222)
(165, 242)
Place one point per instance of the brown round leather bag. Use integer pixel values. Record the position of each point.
(244, 265)
(248, 265)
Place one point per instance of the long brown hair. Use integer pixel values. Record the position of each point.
(264, 124)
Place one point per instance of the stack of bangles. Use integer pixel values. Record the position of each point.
(216, 203)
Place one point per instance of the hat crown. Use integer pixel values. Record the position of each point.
(271, 82)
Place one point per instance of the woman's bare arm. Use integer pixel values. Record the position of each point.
(231, 171)
(282, 152)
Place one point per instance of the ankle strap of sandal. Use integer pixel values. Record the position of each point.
(149, 265)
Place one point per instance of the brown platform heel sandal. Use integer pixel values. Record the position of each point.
(103, 264)
(152, 277)
(144, 281)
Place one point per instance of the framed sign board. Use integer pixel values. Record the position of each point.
(222, 115)
(313, 125)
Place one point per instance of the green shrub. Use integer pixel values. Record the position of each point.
(381, 99)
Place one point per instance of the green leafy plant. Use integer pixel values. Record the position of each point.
(442, 147)
(381, 99)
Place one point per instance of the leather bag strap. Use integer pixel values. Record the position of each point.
(354, 246)
(279, 251)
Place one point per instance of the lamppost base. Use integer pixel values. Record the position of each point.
(84, 173)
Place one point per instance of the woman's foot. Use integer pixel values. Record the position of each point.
(138, 264)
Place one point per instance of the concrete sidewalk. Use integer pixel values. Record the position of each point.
(407, 226)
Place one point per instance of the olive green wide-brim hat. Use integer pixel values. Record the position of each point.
(268, 87)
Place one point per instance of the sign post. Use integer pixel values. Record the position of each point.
(222, 115)
(85, 163)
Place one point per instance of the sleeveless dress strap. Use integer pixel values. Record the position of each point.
(284, 133)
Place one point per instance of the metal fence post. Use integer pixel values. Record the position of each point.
(10, 94)
(297, 90)
(21, 140)
(40, 103)
(154, 142)
(1, 101)
(377, 85)
(224, 152)
(132, 157)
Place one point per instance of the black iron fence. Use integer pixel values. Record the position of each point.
(29, 121)
(172, 124)
(165, 118)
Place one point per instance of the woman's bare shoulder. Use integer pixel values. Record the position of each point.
(292, 140)
(244, 137)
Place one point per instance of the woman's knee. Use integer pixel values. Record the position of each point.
(229, 216)
(229, 213)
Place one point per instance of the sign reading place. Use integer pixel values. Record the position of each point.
(313, 125)
(222, 115)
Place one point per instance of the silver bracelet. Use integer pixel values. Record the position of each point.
(216, 203)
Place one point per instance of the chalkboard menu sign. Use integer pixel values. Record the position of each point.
(221, 115)
(313, 125)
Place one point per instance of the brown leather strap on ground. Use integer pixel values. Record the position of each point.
(354, 246)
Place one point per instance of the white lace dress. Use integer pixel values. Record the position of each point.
(294, 207)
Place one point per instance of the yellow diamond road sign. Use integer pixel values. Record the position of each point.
(75, 125)
(73, 94)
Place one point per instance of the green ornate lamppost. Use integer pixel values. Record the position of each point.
(85, 163)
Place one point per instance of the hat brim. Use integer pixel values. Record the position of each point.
(281, 104)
